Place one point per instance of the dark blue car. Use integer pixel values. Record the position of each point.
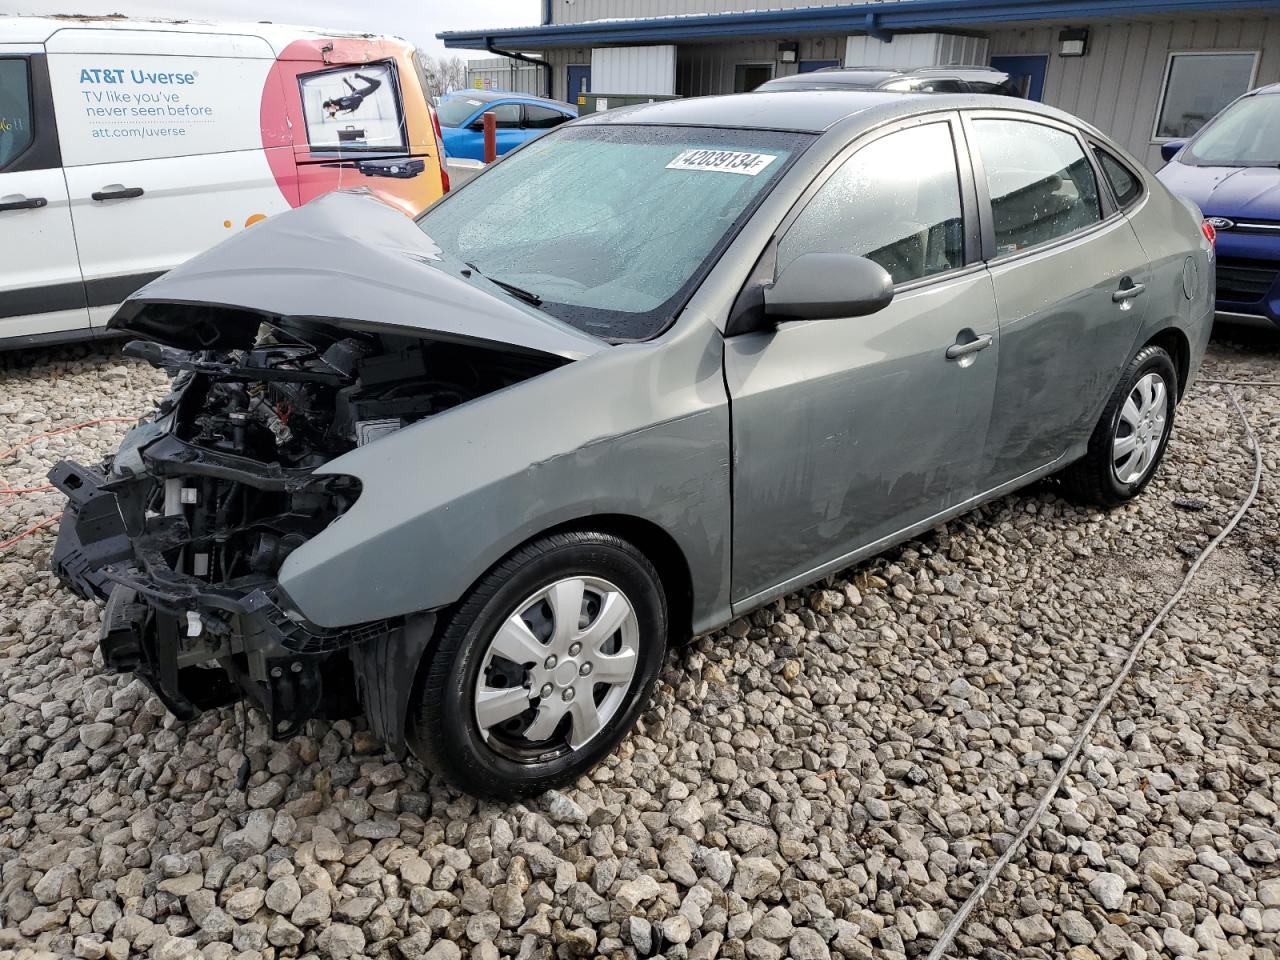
(1231, 168)
(520, 117)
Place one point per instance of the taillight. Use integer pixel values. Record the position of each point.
(435, 126)
(1209, 232)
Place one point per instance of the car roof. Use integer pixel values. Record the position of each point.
(811, 111)
(489, 96)
(39, 29)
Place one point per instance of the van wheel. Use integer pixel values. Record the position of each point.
(1130, 439)
(542, 668)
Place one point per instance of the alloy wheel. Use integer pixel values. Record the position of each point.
(1140, 429)
(557, 670)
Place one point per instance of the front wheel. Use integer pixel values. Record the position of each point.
(542, 668)
(1129, 440)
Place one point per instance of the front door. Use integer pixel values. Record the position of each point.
(1027, 73)
(579, 83)
(848, 431)
(1069, 279)
(41, 292)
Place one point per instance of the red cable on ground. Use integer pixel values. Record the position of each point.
(12, 491)
(29, 531)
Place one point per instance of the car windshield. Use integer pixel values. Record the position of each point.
(1246, 134)
(609, 227)
(453, 111)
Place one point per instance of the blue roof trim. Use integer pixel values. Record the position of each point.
(872, 18)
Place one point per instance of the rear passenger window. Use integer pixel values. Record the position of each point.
(15, 110)
(1124, 183)
(896, 201)
(540, 118)
(506, 115)
(1041, 184)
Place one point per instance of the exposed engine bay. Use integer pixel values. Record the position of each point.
(185, 529)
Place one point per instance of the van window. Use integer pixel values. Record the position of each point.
(353, 108)
(15, 110)
(896, 201)
(1041, 183)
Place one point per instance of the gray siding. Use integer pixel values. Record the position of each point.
(578, 11)
(633, 70)
(707, 68)
(1117, 86)
(505, 74)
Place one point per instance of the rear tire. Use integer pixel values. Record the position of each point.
(541, 670)
(1130, 438)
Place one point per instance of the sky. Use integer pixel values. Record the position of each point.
(417, 22)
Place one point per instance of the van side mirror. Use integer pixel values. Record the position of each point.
(1170, 150)
(823, 286)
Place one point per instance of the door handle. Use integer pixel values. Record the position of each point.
(26, 203)
(1128, 293)
(124, 193)
(959, 350)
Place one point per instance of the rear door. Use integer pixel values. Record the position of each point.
(1070, 282)
(163, 147)
(41, 292)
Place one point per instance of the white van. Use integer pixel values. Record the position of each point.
(128, 146)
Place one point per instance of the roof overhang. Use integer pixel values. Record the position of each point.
(877, 19)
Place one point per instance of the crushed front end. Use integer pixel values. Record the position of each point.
(183, 532)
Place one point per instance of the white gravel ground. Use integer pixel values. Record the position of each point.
(826, 778)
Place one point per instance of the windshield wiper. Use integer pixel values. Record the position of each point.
(528, 296)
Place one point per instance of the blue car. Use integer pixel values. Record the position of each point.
(1231, 168)
(520, 117)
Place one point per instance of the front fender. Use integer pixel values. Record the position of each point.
(639, 430)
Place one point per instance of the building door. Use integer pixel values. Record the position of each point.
(579, 83)
(748, 76)
(1027, 73)
(809, 66)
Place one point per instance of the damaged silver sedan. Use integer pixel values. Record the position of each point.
(471, 475)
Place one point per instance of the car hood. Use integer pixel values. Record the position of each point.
(349, 259)
(1234, 192)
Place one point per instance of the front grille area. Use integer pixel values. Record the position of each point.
(1245, 281)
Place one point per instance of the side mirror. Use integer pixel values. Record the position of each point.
(822, 286)
(1170, 150)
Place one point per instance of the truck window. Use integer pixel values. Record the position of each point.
(15, 110)
(354, 108)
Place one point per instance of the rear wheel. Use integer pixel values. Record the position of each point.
(1130, 438)
(543, 667)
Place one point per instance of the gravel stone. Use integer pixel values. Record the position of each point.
(827, 776)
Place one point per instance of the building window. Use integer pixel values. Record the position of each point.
(748, 76)
(1197, 86)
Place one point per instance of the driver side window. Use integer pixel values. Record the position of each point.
(896, 201)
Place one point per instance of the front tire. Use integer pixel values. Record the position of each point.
(1130, 438)
(542, 668)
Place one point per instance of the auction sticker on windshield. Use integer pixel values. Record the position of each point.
(722, 161)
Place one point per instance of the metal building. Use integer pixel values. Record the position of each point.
(1144, 71)
(504, 73)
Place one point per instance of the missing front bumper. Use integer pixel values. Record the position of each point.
(197, 644)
